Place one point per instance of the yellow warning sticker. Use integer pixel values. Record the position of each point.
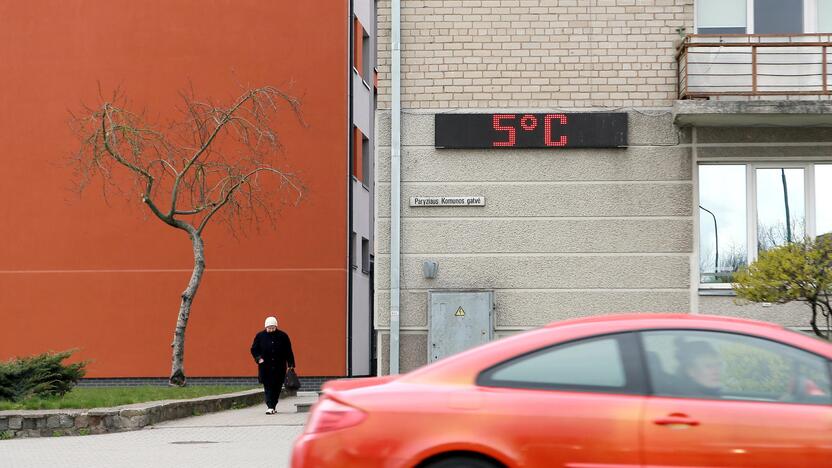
(459, 312)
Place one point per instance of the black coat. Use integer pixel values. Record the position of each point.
(276, 351)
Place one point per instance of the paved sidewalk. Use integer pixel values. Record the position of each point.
(245, 438)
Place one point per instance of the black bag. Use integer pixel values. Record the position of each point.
(292, 381)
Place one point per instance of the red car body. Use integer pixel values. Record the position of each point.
(441, 411)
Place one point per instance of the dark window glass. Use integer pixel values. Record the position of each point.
(365, 255)
(365, 160)
(778, 16)
(586, 364)
(721, 30)
(353, 263)
(366, 73)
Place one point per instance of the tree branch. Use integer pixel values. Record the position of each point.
(239, 184)
(220, 125)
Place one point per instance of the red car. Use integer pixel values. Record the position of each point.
(643, 390)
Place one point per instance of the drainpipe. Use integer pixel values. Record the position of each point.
(395, 184)
(351, 158)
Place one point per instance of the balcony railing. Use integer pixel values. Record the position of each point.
(748, 65)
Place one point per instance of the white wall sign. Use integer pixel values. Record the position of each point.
(447, 201)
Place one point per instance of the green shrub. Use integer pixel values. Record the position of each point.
(43, 375)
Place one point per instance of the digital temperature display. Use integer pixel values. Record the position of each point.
(555, 130)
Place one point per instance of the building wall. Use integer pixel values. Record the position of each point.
(565, 232)
(534, 53)
(364, 104)
(76, 272)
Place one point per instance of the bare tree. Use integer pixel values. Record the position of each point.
(215, 162)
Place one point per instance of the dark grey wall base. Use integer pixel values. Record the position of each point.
(46, 423)
(307, 384)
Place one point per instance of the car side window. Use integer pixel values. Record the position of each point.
(728, 366)
(595, 364)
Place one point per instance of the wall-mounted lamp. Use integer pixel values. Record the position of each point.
(429, 268)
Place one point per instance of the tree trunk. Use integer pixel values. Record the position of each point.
(814, 321)
(177, 371)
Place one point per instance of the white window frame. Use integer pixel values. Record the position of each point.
(809, 197)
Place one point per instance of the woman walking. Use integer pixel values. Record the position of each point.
(272, 351)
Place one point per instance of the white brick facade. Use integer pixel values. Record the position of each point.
(534, 53)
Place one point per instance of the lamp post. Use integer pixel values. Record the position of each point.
(716, 238)
(786, 201)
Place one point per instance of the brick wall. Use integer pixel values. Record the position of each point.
(534, 53)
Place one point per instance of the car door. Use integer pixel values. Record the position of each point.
(729, 400)
(572, 404)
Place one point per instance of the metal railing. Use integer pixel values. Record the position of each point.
(749, 65)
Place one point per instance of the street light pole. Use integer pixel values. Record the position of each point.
(716, 238)
(786, 201)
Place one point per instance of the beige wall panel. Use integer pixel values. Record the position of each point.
(427, 164)
(544, 199)
(463, 235)
(542, 272)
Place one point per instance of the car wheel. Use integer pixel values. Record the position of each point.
(461, 462)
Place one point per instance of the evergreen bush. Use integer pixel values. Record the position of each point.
(43, 375)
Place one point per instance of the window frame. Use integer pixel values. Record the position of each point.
(635, 378)
(649, 379)
(809, 197)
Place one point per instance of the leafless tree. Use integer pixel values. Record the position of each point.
(214, 162)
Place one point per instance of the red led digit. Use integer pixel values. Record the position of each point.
(528, 122)
(512, 132)
(547, 125)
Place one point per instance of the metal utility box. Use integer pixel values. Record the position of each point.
(458, 320)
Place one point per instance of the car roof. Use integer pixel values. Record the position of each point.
(648, 316)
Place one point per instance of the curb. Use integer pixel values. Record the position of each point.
(63, 422)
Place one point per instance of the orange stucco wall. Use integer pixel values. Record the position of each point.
(76, 272)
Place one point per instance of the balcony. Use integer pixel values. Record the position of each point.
(754, 79)
(752, 65)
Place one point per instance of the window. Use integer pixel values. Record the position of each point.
(358, 45)
(362, 60)
(596, 364)
(778, 16)
(367, 65)
(726, 366)
(366, 157)
(365, 255)
(721, 16)
(781, 209)
(824, 16)
(823, 198)
(360, 156)
(352, 260)
(763, 16)
(722, 222)
(760, 205)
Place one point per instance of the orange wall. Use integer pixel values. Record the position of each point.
(77, 273)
